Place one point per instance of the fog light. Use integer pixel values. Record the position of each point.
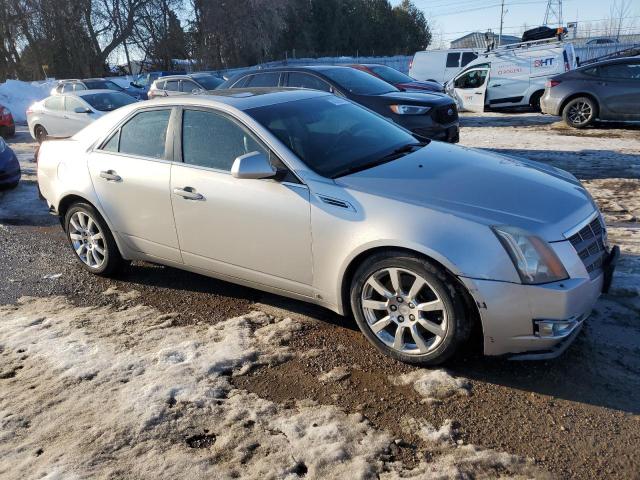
(553, 328)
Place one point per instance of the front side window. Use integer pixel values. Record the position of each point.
(270, 79)
(145, 134)
(453, 60)
(54, 103)
(333, 136)
(187, 86)
(213, 140)
(467, 57)
(209, 82)
(304, 80)
(471, 79)
(71, 103)
(172, 86)
(389, 74)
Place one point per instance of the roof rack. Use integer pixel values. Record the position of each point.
(530, 43)
(626, 52)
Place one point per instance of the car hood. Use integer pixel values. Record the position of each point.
(421, 86)
(485, 187)
(412, 98)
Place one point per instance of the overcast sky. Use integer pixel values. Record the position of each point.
(455, 18)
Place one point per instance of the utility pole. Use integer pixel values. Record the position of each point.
(553, 12)
(502, 12)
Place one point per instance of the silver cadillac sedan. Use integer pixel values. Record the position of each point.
(308, 195)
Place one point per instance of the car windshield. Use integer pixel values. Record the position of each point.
(209, 82)
(333, 136)
(358, 82)
(102, 85)
(105, 102)
(390, 75)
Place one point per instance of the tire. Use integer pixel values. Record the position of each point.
(438, 304)
(580, 112)
(534, 101)
(91, 240)
(40, 133)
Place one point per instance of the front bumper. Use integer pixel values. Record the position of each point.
(512, 313)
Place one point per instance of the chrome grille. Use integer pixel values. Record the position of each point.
(590, 243)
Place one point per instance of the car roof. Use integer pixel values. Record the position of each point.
(242, 98)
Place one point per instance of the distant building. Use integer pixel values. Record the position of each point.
(479, 40)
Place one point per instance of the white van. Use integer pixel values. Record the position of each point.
(510, 76)
(440, 65)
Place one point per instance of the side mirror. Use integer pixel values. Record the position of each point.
(135, 85)
(254, 165)
(82, 110)
(197, 91)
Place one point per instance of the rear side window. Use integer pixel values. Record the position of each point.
(467, 57)
(214, 141)
(264, 80)
(145, 134)
(54, 103)
(172, 86)
(622, 71)
(453, 60)
(304, 80)
(67, 87)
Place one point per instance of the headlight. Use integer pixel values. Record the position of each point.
(409, 109)
(533, 258)
(5, 111)
(3, 145)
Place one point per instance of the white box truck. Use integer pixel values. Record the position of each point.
(440, 65)
(510, 76)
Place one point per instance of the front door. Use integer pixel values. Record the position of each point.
(75, 121)
(470, 89)
(131, 174)
(255, 230)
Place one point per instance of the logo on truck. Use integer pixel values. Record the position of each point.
(543, 62)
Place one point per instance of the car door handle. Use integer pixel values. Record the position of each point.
(110, 176)
(479, 93)
(188, 193)
(496, 85)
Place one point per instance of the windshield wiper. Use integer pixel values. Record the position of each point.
(395, 154)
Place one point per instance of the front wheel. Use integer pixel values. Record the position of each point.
(408, 308)
(580, 112)
(91, 240)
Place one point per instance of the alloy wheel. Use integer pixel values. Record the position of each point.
(87, 240)
(404, 311)
(580, 113)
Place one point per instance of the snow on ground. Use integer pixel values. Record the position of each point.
(433, 385)
(17, 96)
(100, 392)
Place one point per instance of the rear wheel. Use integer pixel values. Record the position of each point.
(534, 101)
(408, 308)
(41, 133)
(580, 112)
(91, 240)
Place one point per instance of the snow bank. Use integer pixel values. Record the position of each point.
(17, 96)
(102, 392)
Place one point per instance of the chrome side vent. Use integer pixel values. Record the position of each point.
(335, 202)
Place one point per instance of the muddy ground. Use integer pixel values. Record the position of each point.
(575, 417)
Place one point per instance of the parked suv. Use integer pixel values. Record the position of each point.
(184, 84)
(430, 115)
(608, 90)
(74, 85)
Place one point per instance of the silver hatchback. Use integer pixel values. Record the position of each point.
(311, 196)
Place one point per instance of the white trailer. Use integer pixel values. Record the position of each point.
(510, 76)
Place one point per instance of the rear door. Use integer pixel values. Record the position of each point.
(52, 117)
(470, 89)
(130, 174)
(619, 87)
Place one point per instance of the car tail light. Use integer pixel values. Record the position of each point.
(552, 83)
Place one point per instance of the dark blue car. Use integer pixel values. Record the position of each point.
(9, 167)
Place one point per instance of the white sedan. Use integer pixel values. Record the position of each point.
(63, 115)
